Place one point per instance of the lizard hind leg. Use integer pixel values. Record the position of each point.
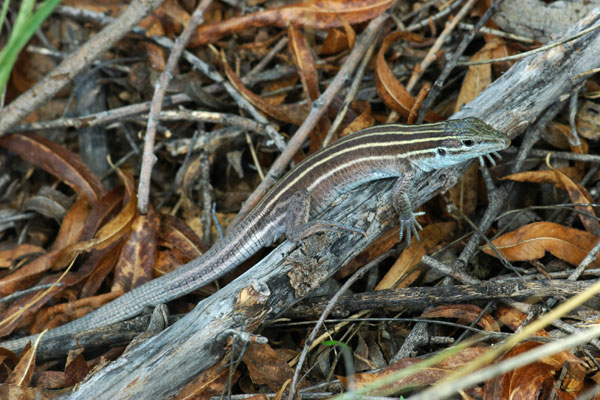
(296, 220)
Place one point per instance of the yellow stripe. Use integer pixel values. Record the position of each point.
(344, 145)
(386, 143)
(304, 171)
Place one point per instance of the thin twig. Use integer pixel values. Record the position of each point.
(432, 55)
(179, 175)
(134, 111)
(214, 117)
(351, 94)
(451, 64)
(563, 155)
(531, 52)
(244, 104)
(48, 86)
(496, 32)
(205, 68)
(148, 157)
(317, 110)
(433, 18)
(266, 59)
(330, 305)
(447, 388)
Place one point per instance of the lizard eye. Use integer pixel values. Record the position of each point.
(468, 142)
(442, 152)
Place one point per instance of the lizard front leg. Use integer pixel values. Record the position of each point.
(403, 207)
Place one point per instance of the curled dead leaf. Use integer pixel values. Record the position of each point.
(55, 160)
(466, 314)
(432, 234)
(136, 262)
(317, 14)
(305, 63)
(422, 377)
(579, 195)
(393, 93)
(293, 115)
(531, 242)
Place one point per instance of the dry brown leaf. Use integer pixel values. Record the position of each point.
(363, 120)
(102, 263)
(17, 392)
(181, 242)
(561, 178)
(530, 381)
(119, 226)
(59, 314)
(335, 42)
(108, 7)
(393, 93)
(274, 92)
(581, 147)
(29, 273)
(431, 235)
(292, 115)
(136, 262)
(350, 34)
(305, 64)
(153, 25)
(157, 56)
(23, 372)
(383, 243)
(8, 257)
(531, 242)
(33, 303)
(266, 367)
(513, 319)
(72, 226)
(173, 10)
(263, 46)
(426, 376)
(559, 135)
(212, 381)
(466, 314)
(26, 277)
(166, 262)
(23, 77)
(50, 379)
(478, 77)
(500, 51)
(588, 120)
(109, 205)
(579, 195)
(556, 134)
(56, 160)
(465, 194)
(542, 176)
(76, 369)
(317, 14)
(307, 71)
(8, 360)
(56, 259)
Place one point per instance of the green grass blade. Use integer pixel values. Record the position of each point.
(25, 26)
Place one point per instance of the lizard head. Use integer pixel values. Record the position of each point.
(462, 140)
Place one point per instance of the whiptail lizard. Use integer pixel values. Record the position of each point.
(402, 151)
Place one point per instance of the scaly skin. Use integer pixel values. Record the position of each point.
(402, 151)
